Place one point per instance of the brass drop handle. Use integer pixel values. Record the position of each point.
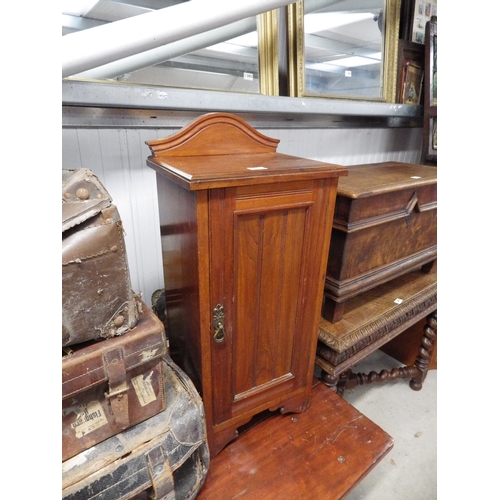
(218, 324)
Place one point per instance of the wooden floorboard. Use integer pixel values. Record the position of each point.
(321, 453)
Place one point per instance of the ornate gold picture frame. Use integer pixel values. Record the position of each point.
(326, 60)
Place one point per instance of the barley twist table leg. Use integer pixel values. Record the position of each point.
(338, 383)
(425, 351)
(329, 379)
(385, 375)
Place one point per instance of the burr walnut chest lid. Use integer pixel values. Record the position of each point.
(378, 178)
(376, 193)
(221, 150)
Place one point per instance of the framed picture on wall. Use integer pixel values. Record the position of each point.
(413, 75)
(422, 13)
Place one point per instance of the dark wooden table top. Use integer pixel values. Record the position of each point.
(321, 453)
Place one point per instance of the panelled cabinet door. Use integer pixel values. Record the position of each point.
(255, 230)
(259, 243)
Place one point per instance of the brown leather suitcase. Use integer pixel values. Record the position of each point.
(164, 457)
(113, 384)
(97, 298)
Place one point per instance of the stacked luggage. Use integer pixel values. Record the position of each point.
(133, 425)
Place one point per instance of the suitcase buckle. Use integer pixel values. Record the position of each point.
(116, 392)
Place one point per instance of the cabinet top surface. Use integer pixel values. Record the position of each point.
(203, 172)
(377, 178)
(220, 150)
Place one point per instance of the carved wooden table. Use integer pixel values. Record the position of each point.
(374, 318)
(321, 453)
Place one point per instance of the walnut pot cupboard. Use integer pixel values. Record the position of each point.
(245, 234)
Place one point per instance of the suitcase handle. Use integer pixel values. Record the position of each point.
(162, 478)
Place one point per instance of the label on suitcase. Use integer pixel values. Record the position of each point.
(110, 385)
(97, 298)
(164, 457)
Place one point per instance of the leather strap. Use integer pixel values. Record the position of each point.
(114, 364)
(162, 478)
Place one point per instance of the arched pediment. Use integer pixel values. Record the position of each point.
(214, 134)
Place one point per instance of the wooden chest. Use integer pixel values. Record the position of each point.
(385, 225)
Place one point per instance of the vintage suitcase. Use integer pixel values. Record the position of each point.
(164, 457)
(110, 385)
(385, 225)
(97, 298)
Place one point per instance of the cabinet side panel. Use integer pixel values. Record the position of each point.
(179, 245)
(316, 241)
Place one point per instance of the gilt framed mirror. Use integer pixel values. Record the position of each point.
(237, 57)
(345, 49)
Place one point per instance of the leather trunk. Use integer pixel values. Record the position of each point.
(385, 225)
(97, 298)
(164, 457)
(110, 385)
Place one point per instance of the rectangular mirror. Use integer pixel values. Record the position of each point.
(345, 48)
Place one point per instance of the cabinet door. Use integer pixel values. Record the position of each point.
(266, 273)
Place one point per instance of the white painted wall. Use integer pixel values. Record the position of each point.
(118, 157)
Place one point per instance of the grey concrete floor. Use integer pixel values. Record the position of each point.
(409, 470)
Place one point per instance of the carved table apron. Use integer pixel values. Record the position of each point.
(374, 318)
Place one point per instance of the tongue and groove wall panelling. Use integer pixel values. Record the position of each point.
(348, 146)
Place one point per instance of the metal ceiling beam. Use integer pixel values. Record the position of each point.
(106, 95)
(95, 47)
